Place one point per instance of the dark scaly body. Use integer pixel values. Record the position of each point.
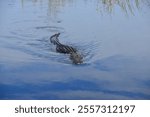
(61, 48)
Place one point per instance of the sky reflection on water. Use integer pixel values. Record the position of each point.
(113, 36)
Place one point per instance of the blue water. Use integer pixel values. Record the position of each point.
(113, 37)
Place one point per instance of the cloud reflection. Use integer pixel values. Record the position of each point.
(62, 90)
(41, 81)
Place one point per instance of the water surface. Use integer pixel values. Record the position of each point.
(112, 35)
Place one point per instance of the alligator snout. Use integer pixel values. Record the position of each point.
(76, 58)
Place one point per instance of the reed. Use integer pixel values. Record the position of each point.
(126, 5)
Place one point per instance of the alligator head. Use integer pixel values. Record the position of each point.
(76, 58)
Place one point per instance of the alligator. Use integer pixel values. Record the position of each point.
(75, 56)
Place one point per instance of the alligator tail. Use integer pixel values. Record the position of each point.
(54, 39)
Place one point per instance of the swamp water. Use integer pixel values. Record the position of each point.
(112, 35)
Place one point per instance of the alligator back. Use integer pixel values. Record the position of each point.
(61, 47)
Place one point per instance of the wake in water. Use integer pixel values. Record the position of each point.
(89, 51)
(37, 44)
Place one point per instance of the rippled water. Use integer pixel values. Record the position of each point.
(113, 36)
